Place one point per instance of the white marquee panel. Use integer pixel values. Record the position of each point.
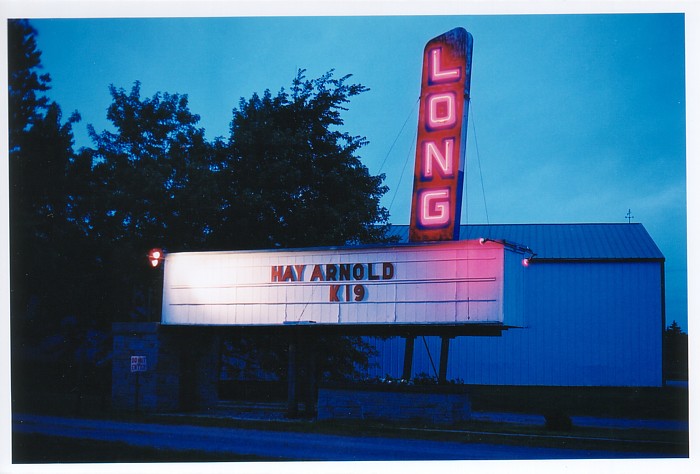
(441, 283)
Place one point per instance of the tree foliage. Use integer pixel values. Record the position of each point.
(25, 84)
(82, 222)
(150, 174)
(291, 178)
(263, 356)
(41, 150)
(52, 294)
(675, 353)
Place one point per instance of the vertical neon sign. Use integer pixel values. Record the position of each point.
(442, 137)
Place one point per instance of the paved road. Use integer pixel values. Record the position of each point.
(288, 445)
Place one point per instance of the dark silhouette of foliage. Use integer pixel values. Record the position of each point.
(25, 85)
(41, 149)
(292, 179)
(55, 338)
(150, 174)
(337, 358)
(82, 222)
(675, 353)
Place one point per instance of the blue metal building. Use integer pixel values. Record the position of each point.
(592, 308)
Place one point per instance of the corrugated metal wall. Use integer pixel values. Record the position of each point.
(586, 323)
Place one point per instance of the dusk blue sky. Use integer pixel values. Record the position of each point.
(577, 118)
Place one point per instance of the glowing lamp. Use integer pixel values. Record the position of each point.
(526, 262)
(155, 256)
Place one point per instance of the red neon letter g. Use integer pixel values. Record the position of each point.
(434, 208)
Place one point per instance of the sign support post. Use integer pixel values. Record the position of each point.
(408, 357)
(138, 365)
(136, 394)
(444, 355)
(292, 375)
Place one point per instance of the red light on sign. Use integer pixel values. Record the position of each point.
(155, 256)
(442, 123)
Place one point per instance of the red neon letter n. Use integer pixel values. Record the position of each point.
(432, 154)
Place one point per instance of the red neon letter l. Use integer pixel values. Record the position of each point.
(437, 74)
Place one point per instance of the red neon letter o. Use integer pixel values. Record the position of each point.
(441, 110)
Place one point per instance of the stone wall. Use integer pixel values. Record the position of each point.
(393, 405)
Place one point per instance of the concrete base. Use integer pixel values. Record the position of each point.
(181, 368)
(393, 405)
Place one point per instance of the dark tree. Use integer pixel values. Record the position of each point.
(292, 178)
(337, 358)
(26, 86)
(43, 237)
(150, 184)
(41, 149)
(675, 357)
(50, 317)
(152, 172)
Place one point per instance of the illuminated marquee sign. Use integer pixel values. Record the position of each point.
(442, 124)
(441, 283)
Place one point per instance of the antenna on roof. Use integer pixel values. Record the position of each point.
(629, 216)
